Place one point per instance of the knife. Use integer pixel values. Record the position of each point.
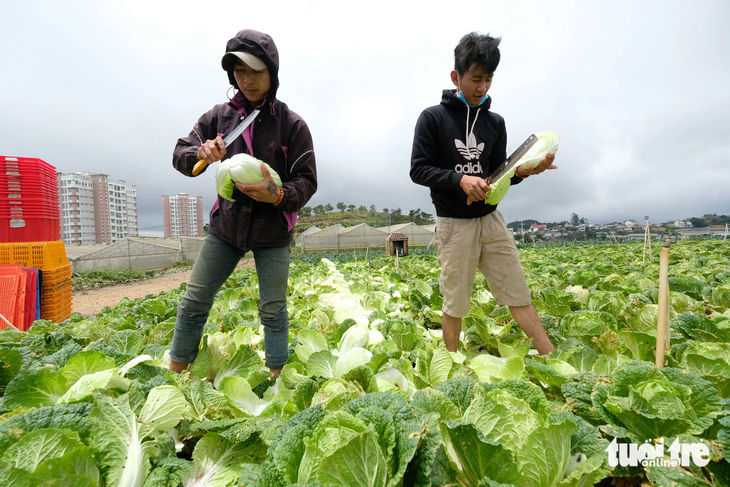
(512, 160)
(201, 164)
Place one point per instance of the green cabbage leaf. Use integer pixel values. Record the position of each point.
(241, 168)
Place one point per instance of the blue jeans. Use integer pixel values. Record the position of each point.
(215, 263)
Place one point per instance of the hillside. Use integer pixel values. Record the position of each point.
(352, 218)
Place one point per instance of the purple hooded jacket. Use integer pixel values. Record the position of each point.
(278, 137)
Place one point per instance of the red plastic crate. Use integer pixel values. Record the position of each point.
(31, 288)
(25, 164)
(11, 194)
(8, 297)
(49, 213)
(28, 229)
(27, 215)
(10, 170)
(20, 306)
(36, 201)
(32, 197)
(15, 296)
(20, 210)
(22, 177)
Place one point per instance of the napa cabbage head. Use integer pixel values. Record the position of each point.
(547, 142)
(241, 168)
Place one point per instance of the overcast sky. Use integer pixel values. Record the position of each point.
(638, 91)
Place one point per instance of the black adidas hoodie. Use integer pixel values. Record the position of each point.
(445, 148)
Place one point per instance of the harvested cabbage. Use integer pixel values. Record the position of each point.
(548, 142)
(241, 168)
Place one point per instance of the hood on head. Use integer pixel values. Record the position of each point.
(262, 46)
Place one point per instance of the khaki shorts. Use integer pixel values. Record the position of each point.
(467, 244)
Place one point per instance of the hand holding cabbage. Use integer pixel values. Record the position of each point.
(539, 158)
(251, 176)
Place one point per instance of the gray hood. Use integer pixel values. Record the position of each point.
(262, 46)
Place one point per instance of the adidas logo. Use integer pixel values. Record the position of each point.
(469, 168)
(471, 151)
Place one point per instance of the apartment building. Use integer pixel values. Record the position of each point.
(182, 215)
(77, 224)
(132, 221)
(96, 209)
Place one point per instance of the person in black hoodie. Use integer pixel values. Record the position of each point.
(456, 146)
(262, 217)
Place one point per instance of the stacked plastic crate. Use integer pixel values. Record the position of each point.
(28, 200)
(29, 230)
(19, 299)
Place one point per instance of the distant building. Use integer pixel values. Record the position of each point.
(681, 224)
(132, 221)
(182, 215)
(697, 231)
(96, 209)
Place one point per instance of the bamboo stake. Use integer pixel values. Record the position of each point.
(647, 241)
(10, 324)
(668, 334)
(662, 329)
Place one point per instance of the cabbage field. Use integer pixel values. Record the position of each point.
(371, 397)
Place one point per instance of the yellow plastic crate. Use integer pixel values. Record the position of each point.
(46, 256)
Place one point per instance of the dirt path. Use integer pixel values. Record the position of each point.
(92, 301)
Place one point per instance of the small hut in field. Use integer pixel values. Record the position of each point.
(396, 244)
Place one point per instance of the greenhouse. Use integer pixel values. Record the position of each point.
(361, 237)
(322, 240)
(338, 238)
(298, 240)
(417, 236)
(134, 253)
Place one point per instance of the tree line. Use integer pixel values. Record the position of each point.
(395, 215)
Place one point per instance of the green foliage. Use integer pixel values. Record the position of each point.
(82, 280)
(369, 394)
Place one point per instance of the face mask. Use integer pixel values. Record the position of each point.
(460, 96)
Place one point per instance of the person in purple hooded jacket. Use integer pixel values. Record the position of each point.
(262, 217)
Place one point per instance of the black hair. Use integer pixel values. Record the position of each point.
(476, 49)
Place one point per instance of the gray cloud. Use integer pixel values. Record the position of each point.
(637, 91)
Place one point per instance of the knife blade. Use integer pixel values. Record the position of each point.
(512, 160)
(201, 164)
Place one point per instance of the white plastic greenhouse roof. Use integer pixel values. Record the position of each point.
(73, 252)
(308, 231)
(409, 229)
(361, 229)
(135, 253)
(431, 228)
(331, 230)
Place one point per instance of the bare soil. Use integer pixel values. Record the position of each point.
(92, 301)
